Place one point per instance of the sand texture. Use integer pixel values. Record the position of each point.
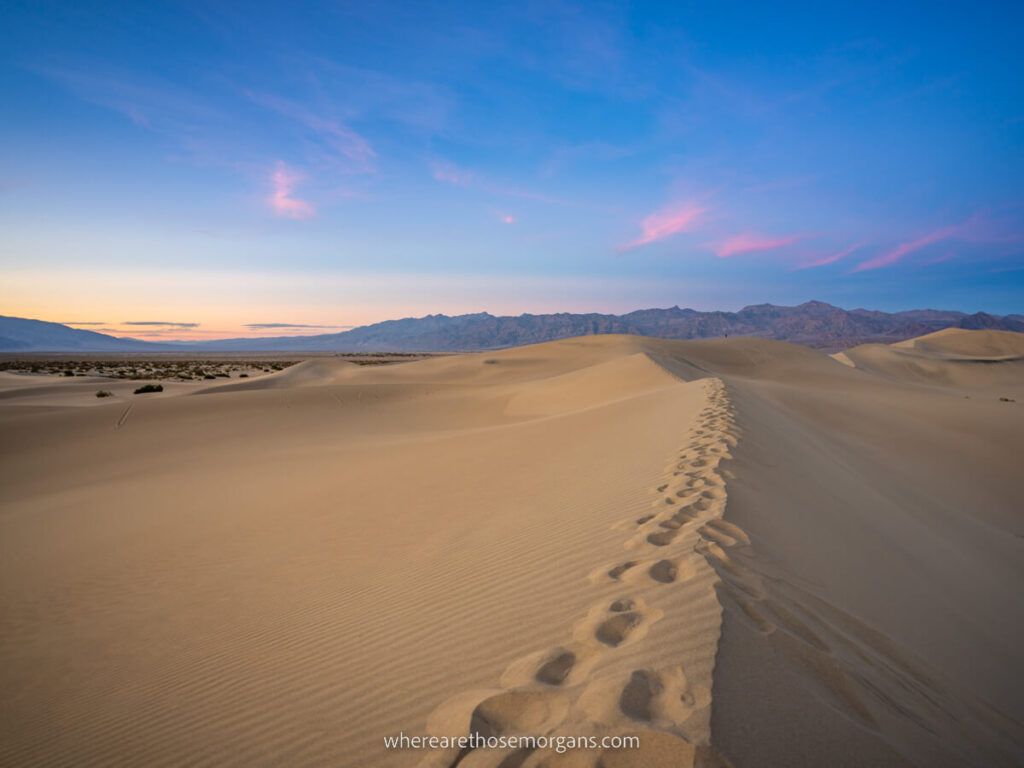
(745, 552)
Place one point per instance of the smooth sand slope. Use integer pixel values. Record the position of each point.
(286, 573)
(743, 551)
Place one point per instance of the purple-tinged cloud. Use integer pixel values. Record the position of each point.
(447, 173)
(671, 220)
(978, 229)
(356, 152)
(750, 243)
(831, 258)
(160, 323)
(283, 182)
(268, 326)
(905, 249)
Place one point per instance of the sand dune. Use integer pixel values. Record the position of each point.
(742, 551)
(951, 358)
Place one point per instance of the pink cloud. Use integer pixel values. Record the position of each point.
(507, 218)
(671, 220)
(283, 182)
(904, 249)
(832, 258)
(749, 243)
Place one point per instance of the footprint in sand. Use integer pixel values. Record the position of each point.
(519, 712)
(616, 573)
(612, 624)
(664, 571)
(724, 533)
(556, 669)
(641, 690)
(661, 697)
(662, 538)
(614, 630)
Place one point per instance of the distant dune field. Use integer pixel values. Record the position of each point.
(744, 552)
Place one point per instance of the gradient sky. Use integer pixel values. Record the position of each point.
(195, 170)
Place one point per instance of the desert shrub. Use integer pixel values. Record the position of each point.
(243, 375)
(104, 393)
(69, 373)
(209, 376)
(149, 388)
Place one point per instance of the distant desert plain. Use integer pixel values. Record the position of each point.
(743, 552)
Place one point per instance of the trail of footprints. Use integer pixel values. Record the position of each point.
(554, 691)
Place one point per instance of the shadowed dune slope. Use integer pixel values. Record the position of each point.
(873, 619)
(982, 360)
(317, 372)
(990, 345)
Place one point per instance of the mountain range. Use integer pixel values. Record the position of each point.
(813, 323)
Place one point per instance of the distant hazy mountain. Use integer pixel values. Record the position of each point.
(20, 335)
(814, 323)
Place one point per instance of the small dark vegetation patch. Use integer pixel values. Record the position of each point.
(145, 388)
(104, 393)
(1007, 400)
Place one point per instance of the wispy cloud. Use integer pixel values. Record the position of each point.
(507, 218)
(83, 322)
(447, 173)
(750, 243)
(831, 258)
(1001, 229)
(671, 220)
(152, 103)
(342, 141)
(267, 326)
(905, 249)
(160, 323)
(283, 182)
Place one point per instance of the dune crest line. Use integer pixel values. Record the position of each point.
(625, 667)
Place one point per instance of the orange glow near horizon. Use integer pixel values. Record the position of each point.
(195, 305)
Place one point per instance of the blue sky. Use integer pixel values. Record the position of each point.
(330, 164)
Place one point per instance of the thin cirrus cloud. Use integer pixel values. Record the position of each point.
(832, 258)
(671, 220)
(344, 145)
(160, 323)
(449, 173)
(269, 326)
(750, 243)
(903, 250)
(282, 201)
